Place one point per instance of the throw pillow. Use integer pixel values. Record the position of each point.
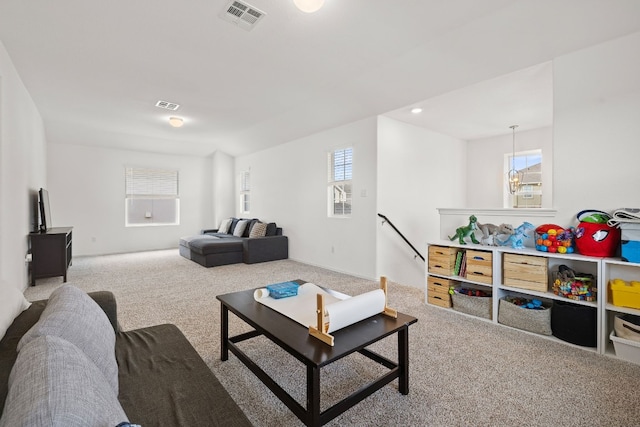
(74, 316)
(240, 226)
(271, 229)
(12, 303)
(224, 226)
(234, 222)
(258, 230)
(247, 229)
(53, 383)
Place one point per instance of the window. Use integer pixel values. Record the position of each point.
(529, 190)
(151, 197)
(245, 189)
(340, 187)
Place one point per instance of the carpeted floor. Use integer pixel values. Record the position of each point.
(463, 371)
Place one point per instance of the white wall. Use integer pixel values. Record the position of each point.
(597, 128)
(22, 172)
(223, 188)
(485, 163)
(596, 137)
(289, 187)
(87, 191)
(418, 171)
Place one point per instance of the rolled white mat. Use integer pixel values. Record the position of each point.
(261, 293)
(349, 311)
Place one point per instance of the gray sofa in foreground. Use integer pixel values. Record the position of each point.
(62, 373)
(214, 247)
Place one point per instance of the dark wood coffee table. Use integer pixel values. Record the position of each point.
(295, 339)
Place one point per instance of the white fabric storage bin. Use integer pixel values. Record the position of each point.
(627, 326)
(626, 349)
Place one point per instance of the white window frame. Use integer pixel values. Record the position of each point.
(526, 192)
(154, 191)
(245, 191)
(340, 183)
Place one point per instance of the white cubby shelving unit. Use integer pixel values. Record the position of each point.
(614, 268)
(603, 270)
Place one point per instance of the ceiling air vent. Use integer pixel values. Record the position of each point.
(242, 14)
(167, 105)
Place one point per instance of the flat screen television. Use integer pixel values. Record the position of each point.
(45, 210)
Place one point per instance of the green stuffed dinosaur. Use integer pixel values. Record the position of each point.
(466, 231)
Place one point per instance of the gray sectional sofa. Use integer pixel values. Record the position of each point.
(237, 240)
(64, 363)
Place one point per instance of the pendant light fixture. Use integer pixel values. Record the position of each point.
(514, 177)
(309, 6)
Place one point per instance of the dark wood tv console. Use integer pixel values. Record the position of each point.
(51, 253)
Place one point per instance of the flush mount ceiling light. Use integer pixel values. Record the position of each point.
(309, 6)
(176, 122)
(416, 110)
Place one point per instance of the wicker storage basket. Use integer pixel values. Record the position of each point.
(538, 321)
(476, 306)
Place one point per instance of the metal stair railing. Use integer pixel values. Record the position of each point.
(418, 254)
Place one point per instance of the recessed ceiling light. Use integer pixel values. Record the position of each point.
(416, 110)
(176, 122)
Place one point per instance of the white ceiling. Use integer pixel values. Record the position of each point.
(96, 69)
(488, 108)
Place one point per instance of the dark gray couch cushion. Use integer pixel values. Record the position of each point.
(271, 229)
(212, 234)
(164, 382)
(186, 241)
(214, 245)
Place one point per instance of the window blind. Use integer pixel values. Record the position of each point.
(245, 184)
(341, 165)
(156, 183)
(245, 190)
(340, 175)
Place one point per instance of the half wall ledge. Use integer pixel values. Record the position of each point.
(452, 218)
